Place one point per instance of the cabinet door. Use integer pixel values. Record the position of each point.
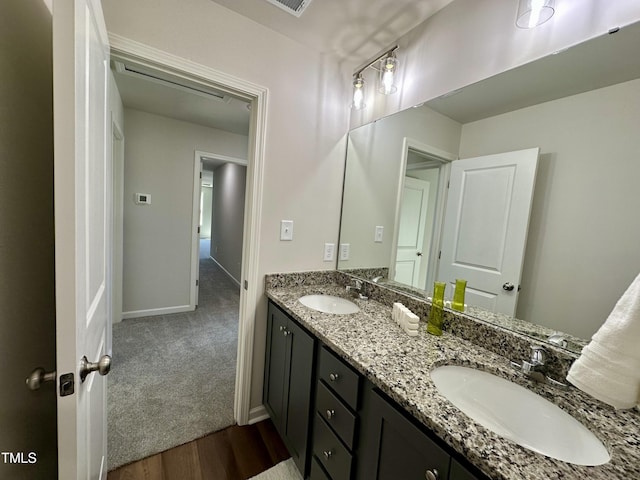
(299, 389)
(400, 449)
(276, 370)
(458, 472)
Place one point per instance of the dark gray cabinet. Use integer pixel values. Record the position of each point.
(288, 382)
(395, 448)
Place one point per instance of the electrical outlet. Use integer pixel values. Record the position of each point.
(286, 230)
(344, 251)
(379, 234)
(329, 251)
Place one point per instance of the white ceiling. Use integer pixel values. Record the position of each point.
(352, 30)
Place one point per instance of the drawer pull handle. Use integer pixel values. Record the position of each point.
(333, 377)
(327, 454)
(331, 414)
(432, 474)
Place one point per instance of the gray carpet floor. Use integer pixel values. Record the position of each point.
(173, 376)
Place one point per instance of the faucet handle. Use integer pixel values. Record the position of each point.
(358, 284)
(537, 355)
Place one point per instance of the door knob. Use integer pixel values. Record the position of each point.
(419, 254)
(38, 377)
(508, 286)
(102, 366)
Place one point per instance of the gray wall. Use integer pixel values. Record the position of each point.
(159, 160)
(27, 296)
(229, 182)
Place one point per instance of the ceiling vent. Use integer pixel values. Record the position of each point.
(294, 7)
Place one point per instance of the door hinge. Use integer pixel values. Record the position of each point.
(246, 285)
(198, 229)
(448, 183)
(197, 282)
(439, 254)
(67, 384)
(200, 174)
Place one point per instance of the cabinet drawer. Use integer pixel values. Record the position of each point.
(333, 455)
(317, 473)
(340, 377)
(337, 414)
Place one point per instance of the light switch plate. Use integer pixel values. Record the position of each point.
(329, 252)
(344, 251)
(379, 234)
(286, 230)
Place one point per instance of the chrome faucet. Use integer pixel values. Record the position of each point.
(535, 367)
(356, 290)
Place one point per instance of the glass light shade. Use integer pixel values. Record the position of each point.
(388, 67)
(532, 13)
(358, 93)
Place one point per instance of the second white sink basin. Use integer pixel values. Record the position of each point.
(329, 304)
(520, 415)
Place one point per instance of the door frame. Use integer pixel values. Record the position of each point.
(198, 158)
(446, 158)
(116, 224)
(251, 291)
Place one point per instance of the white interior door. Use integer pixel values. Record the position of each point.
(82, 244)
(413, 218)
(485, 226)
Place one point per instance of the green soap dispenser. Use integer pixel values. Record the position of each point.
(458, 295)
(434, 323)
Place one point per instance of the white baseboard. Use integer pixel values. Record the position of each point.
(152, 312)
(257, 414)
(226, 271)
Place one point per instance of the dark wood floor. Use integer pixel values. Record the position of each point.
(235, 453)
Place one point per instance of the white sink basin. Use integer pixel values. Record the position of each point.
(329, 304)
(520, 415)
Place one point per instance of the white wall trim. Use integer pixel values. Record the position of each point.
(117, 182)
(258, 414)
(231, 277)
(152, 312)
(225, 158)
(124, 48)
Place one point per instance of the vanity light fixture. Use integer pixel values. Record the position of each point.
(387, 70)
(532, 13)
(358, 93)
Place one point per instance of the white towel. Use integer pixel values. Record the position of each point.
(609, 366)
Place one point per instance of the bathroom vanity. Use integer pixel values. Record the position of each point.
(352, 395)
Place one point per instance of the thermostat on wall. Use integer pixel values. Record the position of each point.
(143, 199)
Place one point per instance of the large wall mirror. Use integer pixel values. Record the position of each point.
(578, 114)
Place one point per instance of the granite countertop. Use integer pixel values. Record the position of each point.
(399, 365)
